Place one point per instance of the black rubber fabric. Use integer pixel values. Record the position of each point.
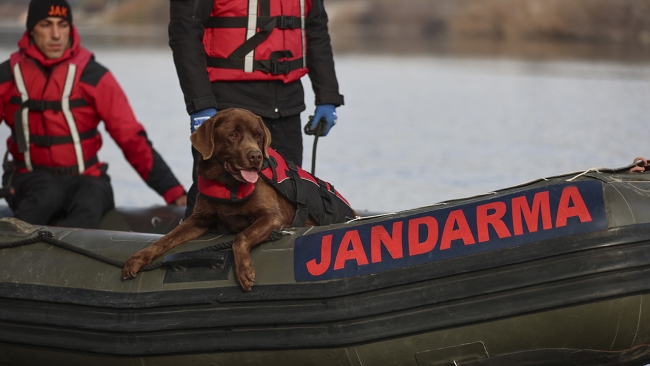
(489, 286)
(636, 356)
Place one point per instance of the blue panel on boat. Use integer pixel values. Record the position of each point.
(443, 233)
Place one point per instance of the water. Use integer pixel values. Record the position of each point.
(420, 130)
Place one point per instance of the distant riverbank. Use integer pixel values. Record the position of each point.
(155, 36)
(611, 30)
(616, 30)
(615, 21)
(111, 36)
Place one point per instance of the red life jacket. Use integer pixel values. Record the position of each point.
(313, 197)
(256, 40)
(47, 90)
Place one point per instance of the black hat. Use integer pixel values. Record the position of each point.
(41, 9)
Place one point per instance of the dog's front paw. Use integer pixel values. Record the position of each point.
(245, 274)
(133, 265)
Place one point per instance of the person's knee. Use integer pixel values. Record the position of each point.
(96, 192)
(38, 206)
(92, 199)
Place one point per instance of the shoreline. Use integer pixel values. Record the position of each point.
(346, 43)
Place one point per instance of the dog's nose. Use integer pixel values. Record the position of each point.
(255, 157)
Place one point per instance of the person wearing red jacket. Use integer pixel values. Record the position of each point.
(251, 55)
(53, 94)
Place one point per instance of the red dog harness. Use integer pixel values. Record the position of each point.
(313, 197)
(224, 193)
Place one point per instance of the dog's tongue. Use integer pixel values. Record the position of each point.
(250, 175)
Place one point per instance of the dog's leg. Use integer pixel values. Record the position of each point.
(187, 230)
(255, 234)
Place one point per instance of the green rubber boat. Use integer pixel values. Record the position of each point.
(551, 272)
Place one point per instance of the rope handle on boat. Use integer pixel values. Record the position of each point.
(44, 236)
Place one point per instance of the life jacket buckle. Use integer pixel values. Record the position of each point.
(36, 105)
(41, 140)
(43, 105)
(279, 67)
(286, 22)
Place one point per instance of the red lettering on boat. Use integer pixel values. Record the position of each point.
(541, 205)
(317, 269)
(456, 217)
(578, 209)
(416, 246)
(345, 253)
(484, 220)
(393, 244)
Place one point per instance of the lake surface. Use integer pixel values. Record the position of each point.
(420, 130)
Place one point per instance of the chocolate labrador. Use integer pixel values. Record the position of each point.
(234, 145)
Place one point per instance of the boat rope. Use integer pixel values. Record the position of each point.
(44, 236)
(597, 170)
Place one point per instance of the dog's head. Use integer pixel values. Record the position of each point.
(236, 138)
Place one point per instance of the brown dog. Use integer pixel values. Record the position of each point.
(233, 145)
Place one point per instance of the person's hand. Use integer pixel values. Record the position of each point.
(327, 111)
(639, 165)
(201, 116)
(181, 201)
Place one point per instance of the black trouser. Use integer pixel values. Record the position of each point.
(286, 138)
(42, 198)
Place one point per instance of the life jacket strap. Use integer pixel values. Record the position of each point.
(237, 59)
(59, 170)
(44, 105)
(281, 22)
(273, 67)
(47, 141)
(19, 131)
(38, 106)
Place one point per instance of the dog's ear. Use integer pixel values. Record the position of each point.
(266, 138)
(203, 138)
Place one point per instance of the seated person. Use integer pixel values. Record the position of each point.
(53, 94)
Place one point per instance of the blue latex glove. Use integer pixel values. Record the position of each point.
(327, 111)
(201, 116)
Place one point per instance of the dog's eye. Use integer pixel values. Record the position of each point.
(257, 135)
(233, 135)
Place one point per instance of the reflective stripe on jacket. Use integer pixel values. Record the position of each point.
(257, 40)
(48, 123)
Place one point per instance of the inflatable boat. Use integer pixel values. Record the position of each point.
(551, 272)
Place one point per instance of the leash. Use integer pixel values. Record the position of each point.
(317, 131)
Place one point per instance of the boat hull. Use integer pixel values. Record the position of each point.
(574, 287)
